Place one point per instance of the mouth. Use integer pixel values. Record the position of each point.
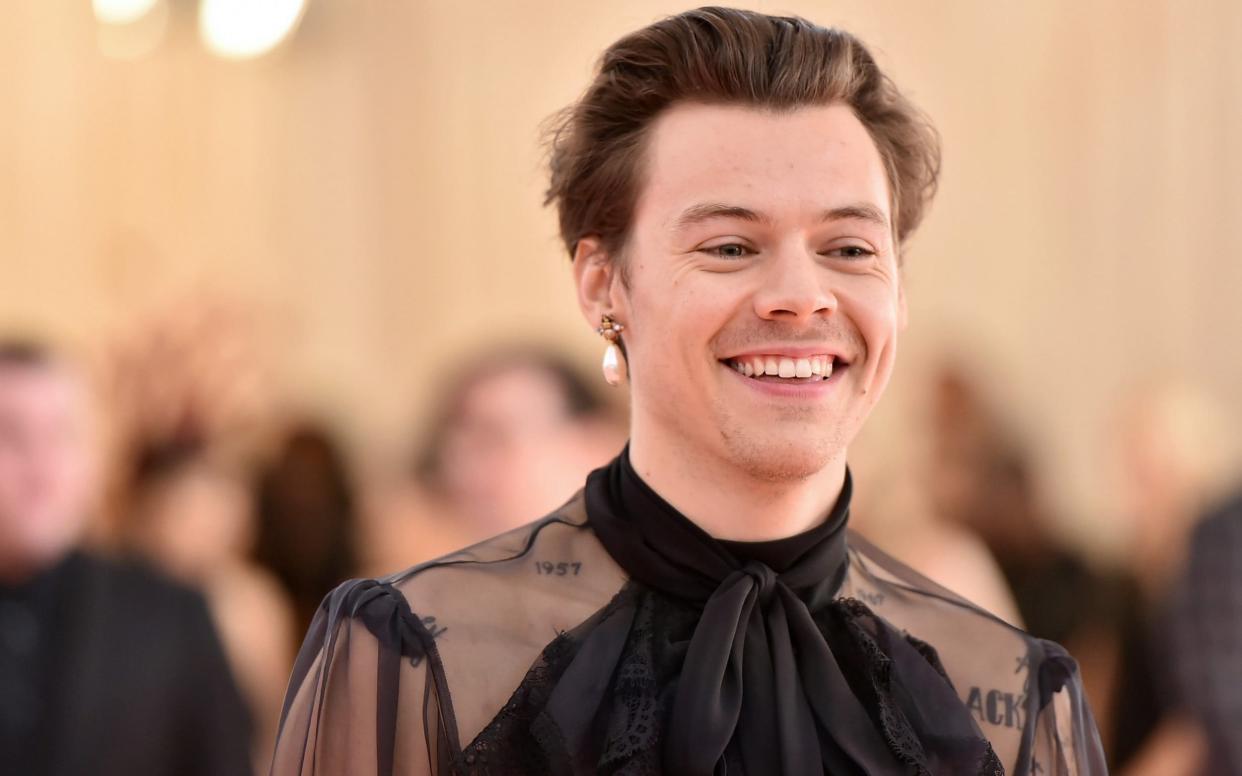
(773, 368)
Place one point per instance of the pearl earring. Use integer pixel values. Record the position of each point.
(614, 365)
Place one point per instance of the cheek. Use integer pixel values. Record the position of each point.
(673, 326)
(876, 311)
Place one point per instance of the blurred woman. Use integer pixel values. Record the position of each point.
(192, 517)
(516, 430)
(1171, 454)
(306, 514)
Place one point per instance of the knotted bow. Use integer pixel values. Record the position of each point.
(758, 673)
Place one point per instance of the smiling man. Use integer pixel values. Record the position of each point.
(735, 190)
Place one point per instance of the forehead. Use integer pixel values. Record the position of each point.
(790, 163)
(515, 392)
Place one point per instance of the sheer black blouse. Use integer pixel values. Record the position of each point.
(617, 637)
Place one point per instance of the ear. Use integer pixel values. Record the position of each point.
(597, 282)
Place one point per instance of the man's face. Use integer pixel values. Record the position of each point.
(45, 466)
(761, 240)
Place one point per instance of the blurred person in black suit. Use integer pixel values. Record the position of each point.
(1207, 635)
(106, 667)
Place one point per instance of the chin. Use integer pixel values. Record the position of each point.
(780, 460)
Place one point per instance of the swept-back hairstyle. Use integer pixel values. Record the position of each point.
(724, 56)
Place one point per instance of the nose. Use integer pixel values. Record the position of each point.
(795, 287)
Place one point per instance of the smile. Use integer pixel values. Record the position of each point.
(816, 368)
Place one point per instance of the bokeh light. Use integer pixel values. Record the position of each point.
(121, 11)
(241, 29)
(130, 29)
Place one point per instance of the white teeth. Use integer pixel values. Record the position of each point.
(788, 368)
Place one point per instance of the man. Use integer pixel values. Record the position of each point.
(105, 667)
(735, 190)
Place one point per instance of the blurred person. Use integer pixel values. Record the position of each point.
(519, 429)
(106, 667)
(306, 511)
(1206, 617)
(1170, 442)
(734, 190)
(895, 513)
(194, 518)
(895, 509)
(977, 474)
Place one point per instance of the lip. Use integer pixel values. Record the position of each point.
(801, 351)
(811, 390)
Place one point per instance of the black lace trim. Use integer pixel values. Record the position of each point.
(520, 739)
(517, 740)
(632, 736)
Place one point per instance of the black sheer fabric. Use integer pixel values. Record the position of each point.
(616, 637)
(760, 675)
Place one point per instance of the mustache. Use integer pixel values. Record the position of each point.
(751, 336)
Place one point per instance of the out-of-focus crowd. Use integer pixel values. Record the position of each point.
(154, 588)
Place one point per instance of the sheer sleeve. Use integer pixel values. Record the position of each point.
(1025, 694)
(370, 690)
(1064, 738)
(368, 669)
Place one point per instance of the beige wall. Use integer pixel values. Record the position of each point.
(372, 192)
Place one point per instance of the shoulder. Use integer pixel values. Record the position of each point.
(476, 619)
(523, 585)
(129, 584)
(920, 606)
(1005, 676)
(566, 521)
(150, 630)
(557, 555)
(1222, 524)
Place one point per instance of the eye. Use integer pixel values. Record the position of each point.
(852, 252)
(728, 251)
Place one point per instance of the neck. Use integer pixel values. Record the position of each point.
(729, 502)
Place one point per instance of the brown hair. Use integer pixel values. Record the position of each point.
(579, 397)
(25, 354)
(723, 55)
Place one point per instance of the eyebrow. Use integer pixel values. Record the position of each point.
(696, 214)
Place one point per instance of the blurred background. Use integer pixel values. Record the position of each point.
(300, 254)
